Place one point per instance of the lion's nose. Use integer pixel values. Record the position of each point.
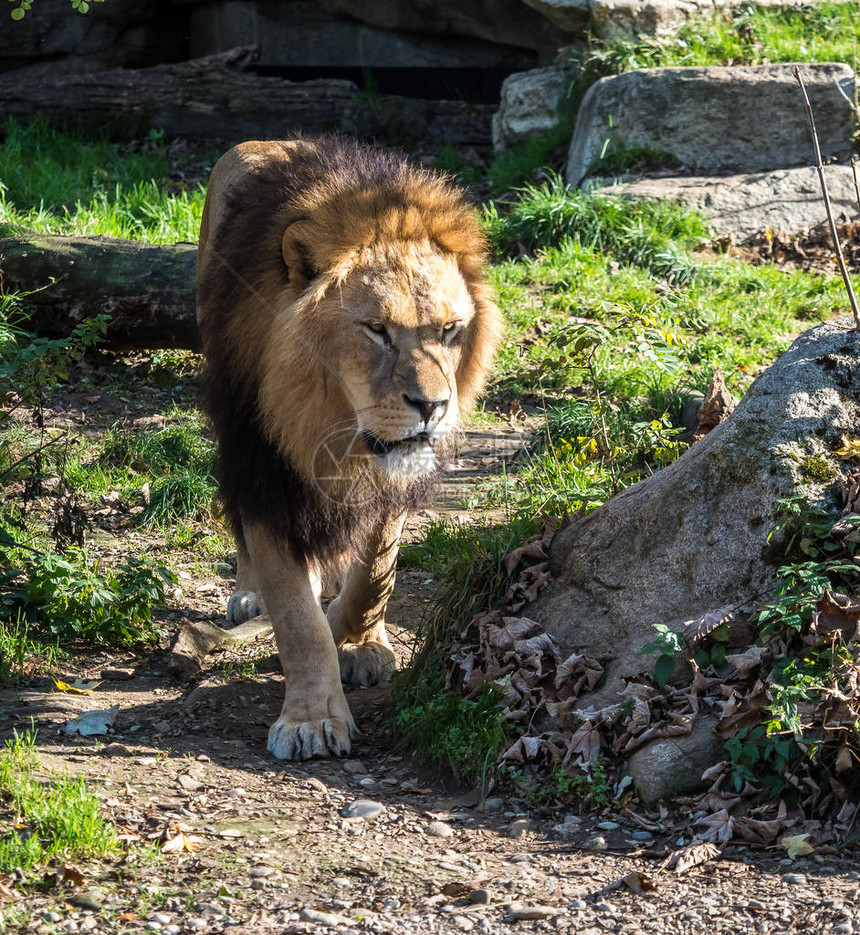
(427, 407)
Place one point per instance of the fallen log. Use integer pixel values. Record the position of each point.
(147, 290)
(220, 97)
(196, 640)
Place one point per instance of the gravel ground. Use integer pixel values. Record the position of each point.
(370, 844)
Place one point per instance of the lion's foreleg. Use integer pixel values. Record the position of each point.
(315, 719)
(357, 615)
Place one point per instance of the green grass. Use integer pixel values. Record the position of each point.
(175, 460)
(467, 560)
(57, 182)
(814, 32)
(58, 818)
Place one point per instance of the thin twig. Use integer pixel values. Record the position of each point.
(819, 166)
(856, 186)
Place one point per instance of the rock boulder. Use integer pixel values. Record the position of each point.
(530, 105)
(717, 117)
(744, 205)
(697, 535)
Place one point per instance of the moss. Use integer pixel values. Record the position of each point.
(817, 467)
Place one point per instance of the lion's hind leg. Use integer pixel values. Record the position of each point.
(357, 615)
(245, 602)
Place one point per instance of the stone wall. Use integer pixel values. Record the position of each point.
(312, 33)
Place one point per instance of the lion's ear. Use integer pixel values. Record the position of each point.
(296, 252)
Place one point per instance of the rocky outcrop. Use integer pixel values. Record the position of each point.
(744, 205)
(698, 535)
(629, 19)
(745, 118)
(530, 105)
(54, 39)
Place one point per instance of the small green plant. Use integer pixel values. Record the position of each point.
(59, 817)
(75, 596)
(668, 643)
(590, 785)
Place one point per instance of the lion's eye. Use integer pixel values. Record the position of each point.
(377, 331)
(450, 329)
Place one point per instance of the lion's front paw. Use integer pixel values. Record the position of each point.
(369, 663)
(242, 606)
(302, 740)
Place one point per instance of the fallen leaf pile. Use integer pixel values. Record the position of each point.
(551, 729)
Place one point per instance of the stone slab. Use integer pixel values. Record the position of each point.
(747, 118)
(744, 205)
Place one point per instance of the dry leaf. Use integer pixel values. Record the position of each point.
(692, 856)
(69, 873)
(698, 628)
(720, 827)
(796, 845)
(638, 882)
(182, 844)
(717, 406)
(746, 661)
(78, 687)
(835, 614)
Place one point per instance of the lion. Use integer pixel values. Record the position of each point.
(347, 329)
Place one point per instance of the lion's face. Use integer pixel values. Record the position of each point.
(399, 341)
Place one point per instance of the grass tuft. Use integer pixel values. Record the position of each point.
(46, 820)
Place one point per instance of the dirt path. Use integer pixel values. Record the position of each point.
(256, 845)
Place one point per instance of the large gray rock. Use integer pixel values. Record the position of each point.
(54, 39)
(744, 205)
(362, 33)
(628, 19)
(569, 15)
(671, 766)
(695, 536)
(530, 105)
(748, 118)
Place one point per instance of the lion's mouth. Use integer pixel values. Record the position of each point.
(380, 447)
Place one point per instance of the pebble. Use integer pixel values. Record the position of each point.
(439, 829)
(362, 808)
(117, 675)
(520, 913)
(328, 919)
(608, 825)
(261, 872)
(756, 905)
(479, 897)
(494, 804)
(154, 926)
(161, 918)
(354, 767)
(116, 749)
(642, 836)
(189, 783)
(171, 930)
(596, 843)
(518, 828)
(51, 916)
(145, 761)
(794, 878)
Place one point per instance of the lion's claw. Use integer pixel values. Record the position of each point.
(302, 740)
(242, 606)
(369, 663)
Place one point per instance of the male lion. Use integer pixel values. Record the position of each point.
(346, 328)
